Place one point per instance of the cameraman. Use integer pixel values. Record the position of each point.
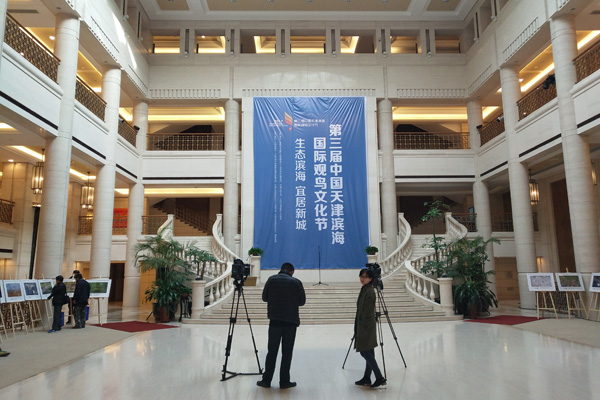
(283, 294)
(365, 330)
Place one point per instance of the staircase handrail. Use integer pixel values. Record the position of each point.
(221, 287)
(395, 261)
(424, 287)
(186, 214)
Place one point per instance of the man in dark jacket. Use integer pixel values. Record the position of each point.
(80, 300)
(283, 294)
(59, 292)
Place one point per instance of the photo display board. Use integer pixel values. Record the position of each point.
(31, 289)
(13, 289)
(99, 287)
(310, 181)
(541, 282)
(570, 282)
(595, 282)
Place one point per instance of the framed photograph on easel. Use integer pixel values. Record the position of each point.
(595, 282)
(541, 282)
(99, 287)
(14, 291)
(45, 287)
(32, 290)
(570, 282)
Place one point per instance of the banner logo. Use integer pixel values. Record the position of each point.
(289, 120)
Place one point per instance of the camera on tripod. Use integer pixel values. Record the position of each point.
(239, 271)
(376, 271)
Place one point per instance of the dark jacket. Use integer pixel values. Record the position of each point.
(284, 294)
(365, 331)
(58, 294)
(82, 293)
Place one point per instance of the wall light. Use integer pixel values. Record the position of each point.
(87, 194)
(534, 190)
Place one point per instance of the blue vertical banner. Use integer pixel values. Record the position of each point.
(310, 181)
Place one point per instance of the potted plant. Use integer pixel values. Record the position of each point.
(472, 295)
(166, 256)
(256, 251)
(371, 250)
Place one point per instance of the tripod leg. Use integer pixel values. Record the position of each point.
(260, 370)
(380, 334)
(349, 347)
(387, 316)
(232, 321)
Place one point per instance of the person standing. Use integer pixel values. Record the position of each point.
(75, 272)
(365, 331)
(80, 300)
(58, 295)
(283, 294)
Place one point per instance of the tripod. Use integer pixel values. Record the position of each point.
(318, 284)
(381, 306)
(239, 292)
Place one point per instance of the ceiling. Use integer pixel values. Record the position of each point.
(413, 10)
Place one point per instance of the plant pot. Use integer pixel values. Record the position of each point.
(161, 314)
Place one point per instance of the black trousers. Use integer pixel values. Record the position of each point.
(371, 366)
(286, 335)
(56, 318)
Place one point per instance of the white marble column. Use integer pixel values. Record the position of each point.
(74, 210)
(389, 208)
(230, 199)
(53, 215)
(481, 196)
(16, 187)
(576, 151)
(104, 189)
(135, 211)
(3, 7)
(519, 187)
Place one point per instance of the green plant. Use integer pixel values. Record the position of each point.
(438, 267)
(199, 257)
(167, 257)
(435, 210)
(255, 251)
(371, 250)
(472, 294)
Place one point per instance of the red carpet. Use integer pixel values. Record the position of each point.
(504, 320)
(134, 326)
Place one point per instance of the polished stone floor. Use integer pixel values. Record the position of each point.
(446, 360)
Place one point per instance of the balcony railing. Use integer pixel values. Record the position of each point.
(504, 222)
(23, 42)
(491, 130)
(127, 131)
(467, 219)
(535, 99)
(6, 211)
(119, 225)
(186, 141)
(431, 140)
(587, 62)
(89, 99)
(151, 223)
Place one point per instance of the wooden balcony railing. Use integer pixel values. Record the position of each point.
(535, 99)
(119, 225)
(491, 130)
(587, 62)
(431, 140)
(151, 223)
(504, 222)
(6, 211)
(89, 99)
(23, 42)
(186, 141)
(127, 131)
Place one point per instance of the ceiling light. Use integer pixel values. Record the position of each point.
(52, 37)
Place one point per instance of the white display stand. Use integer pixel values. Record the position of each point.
(543, 285)
(572, 284)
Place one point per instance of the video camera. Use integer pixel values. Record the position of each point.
(239, 271)
(376, 270)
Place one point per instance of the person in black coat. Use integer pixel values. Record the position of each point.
(283, 294)
(365, 330)
(59, 292)
(80, 300)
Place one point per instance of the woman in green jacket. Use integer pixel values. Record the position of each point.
(365, 331)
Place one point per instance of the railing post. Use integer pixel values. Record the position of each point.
(446, 299)
(255, 267)
(198, 288)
